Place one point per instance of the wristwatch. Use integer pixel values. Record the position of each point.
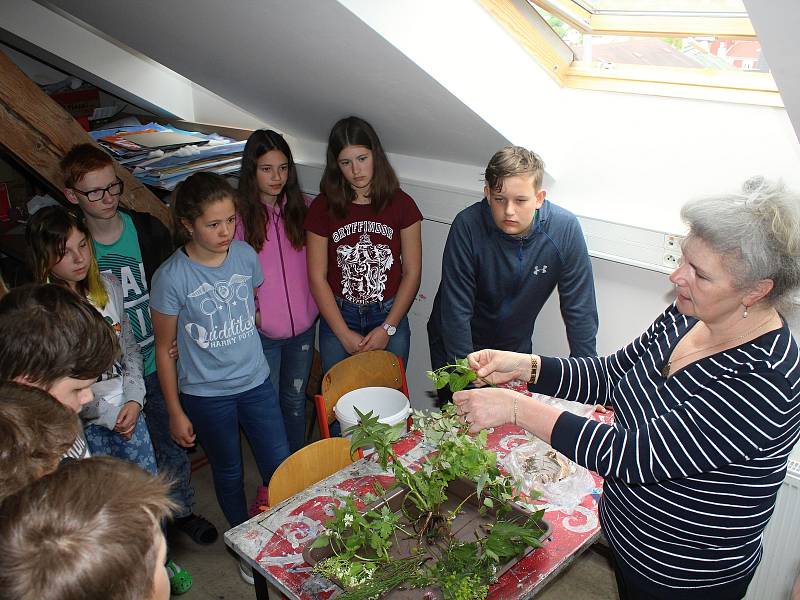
(389, 329)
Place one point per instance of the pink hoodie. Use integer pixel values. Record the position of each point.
(284, 299)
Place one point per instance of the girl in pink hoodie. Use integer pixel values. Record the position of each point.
(271, 214)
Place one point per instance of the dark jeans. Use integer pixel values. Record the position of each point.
(216, 421)
(289, 363)
(362, 318)
(170, 458)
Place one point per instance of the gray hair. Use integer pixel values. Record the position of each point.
(757, 231)
(510, 162)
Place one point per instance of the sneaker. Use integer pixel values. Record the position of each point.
(179, 579)
(246, 571)
(198, 528)
(261, 503)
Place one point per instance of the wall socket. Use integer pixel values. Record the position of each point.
(672, 251)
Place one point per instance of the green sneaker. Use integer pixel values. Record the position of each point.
(179, 579)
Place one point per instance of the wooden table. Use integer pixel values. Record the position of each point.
(273, 542)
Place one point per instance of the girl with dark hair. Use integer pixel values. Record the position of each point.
(204, 294)
(364, 248)
(61, 248)
(271, 214)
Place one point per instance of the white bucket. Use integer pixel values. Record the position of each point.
(390, 405)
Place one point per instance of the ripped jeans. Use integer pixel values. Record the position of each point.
(289, 363)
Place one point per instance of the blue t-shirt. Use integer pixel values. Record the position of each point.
(219, 349)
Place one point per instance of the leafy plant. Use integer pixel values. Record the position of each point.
(457, 376)
(361, 542)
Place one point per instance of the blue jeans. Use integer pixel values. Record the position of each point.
(171, 458)
(362, 318)
(137, 450)
(289, 363)
(216, 421)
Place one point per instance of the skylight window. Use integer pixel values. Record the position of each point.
(703, 49)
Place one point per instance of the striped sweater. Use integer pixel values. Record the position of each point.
(693, 463)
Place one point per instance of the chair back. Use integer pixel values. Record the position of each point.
(307, 466)
(377, 368)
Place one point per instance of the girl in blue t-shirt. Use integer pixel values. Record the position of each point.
(204, 295)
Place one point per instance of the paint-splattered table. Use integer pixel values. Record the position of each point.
(273, 542)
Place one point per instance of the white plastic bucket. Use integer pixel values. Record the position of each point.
(391, 406)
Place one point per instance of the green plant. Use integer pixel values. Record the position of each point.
(361, 541)
(457, 376)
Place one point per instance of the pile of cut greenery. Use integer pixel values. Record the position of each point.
(361, 541)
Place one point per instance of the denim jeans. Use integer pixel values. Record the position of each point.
(362, 318)
(171, 458)
(289, 363)
(216, 421)
(137, 450)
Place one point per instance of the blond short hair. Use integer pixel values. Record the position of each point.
(512, 161)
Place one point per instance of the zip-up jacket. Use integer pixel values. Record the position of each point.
(284, 299)
(494, 285)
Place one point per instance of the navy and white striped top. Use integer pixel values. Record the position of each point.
(693, 463)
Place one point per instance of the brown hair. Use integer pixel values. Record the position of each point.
(354, 131)
(193, 196)
(36, 431)
(49, 332)
(510, 162)
(291, 203)
(95, 522)
(80, 160)
(47, 233)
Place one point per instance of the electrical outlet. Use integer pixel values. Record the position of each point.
(672, 243)
(671, 259)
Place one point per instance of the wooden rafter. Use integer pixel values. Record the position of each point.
(38, 132)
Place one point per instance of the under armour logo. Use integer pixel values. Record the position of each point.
(537, 269)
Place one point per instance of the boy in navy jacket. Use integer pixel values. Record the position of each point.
(503, 257)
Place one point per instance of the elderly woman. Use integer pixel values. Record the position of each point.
(706, 403)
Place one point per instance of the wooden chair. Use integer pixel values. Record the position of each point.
(307, 466)
(366, 369)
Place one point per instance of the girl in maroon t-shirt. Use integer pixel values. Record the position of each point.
(364, 248)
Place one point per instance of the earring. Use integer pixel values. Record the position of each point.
(191, 233)
(744, 314)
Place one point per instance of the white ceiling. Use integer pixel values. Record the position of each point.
(299, 65)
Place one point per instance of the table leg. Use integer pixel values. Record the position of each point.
(260, 581)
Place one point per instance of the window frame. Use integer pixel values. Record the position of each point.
(524, 24)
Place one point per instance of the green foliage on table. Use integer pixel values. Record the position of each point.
(361, 541)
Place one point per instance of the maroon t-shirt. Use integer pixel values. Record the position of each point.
(364, 263)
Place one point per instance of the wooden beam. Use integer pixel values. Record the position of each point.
(38, 133)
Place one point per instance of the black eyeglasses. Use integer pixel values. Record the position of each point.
(115, 189)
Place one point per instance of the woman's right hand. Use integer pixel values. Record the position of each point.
(351, 341)
(181, 429)
(500, 366)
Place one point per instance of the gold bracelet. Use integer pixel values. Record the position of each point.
(534, 369)
(515, 410)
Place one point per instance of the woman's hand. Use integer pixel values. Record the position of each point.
(180, 427)
(126, 419)
(499, 366)
(173, 350)
(485, 407)
(351, 341)
(377, 339)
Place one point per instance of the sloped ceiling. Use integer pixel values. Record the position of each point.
(299, 65)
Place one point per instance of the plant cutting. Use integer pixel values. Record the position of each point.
(450, 524)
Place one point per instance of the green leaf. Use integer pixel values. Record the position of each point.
(322, 541)
(488, 502)
(442, 379)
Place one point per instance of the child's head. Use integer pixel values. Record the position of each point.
(35, 432)
(62, 253)
(356, 163)
(204, 212)
(513, 188)
(90, 181)
(96, 523)
(269, 175)
(54, 340)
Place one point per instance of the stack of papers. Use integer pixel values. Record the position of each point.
(163, 156)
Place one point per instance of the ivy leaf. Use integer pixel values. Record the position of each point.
(321, 542)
